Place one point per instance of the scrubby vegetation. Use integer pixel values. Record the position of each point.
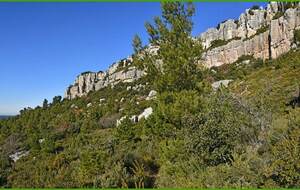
(262, 29)
(254, 7)
(297, 36)
(258, 31)
(278, 15)
(243, 136)
(219, 42)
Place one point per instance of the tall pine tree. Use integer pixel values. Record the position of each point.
(178, 51)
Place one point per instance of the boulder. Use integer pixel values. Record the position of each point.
(145, 114)
(216, 85)
(17, 155)
(152, 95)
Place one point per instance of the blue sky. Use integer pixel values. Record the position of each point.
(44, 46)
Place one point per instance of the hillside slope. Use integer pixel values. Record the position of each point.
(262, 33)
(172, 127)
(75, 143)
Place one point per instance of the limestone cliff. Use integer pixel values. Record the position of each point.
(121, 71)
(261, 33)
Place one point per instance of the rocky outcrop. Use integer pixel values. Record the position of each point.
(146, 113)
(258, 46)
(152, 95)
(257, 32)
(135, 119)
(216, 85)
(91, 81)
(121, 71)
(282, 32)
(17, 155)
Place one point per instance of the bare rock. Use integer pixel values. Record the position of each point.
(146, 113)
(216, 85)
(16, 156)
(152, 95)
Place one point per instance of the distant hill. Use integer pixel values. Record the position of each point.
(5, 116)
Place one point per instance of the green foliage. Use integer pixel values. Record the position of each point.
(244, 66)
(56, 100)
(289, 5)
(218, 43)
(45, 103)
(285, 156)
(278, 15)
(215, 132)
(5, 166)
(125, 131)
(297, 36)
(177, 50)
(137, 44)
(262, 29)
(241, 137)
(259, 31)
(251, 12)
(171, 108)
(86, 72)
(255, 7)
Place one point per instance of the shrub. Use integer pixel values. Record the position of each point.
(251, 12)
(289, 5)
(86, 72)
(219, 42)
(277, 15)
(254, 7)
(297, 36)
(109, 121)
(262, 29)
(213, 138)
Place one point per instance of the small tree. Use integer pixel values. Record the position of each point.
(137, 44)
(178, 51)
(45, 103)
(56, 99)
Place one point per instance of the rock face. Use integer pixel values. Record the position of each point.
(90, 81)
(258, 46)
(121, 71)
(257, 32)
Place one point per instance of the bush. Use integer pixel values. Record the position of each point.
(254, 7)
(277, 15)
(262, 29)
(219, 42)
(213, 138)
(285, 165)
(297, 36)
(251, 12)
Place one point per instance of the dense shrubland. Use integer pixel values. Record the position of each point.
(243, 136)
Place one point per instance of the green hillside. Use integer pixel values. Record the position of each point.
(245, 135)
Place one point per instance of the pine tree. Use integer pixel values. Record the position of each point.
(137, 44)
(45, 103)
(56, 100)
(178, 51)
